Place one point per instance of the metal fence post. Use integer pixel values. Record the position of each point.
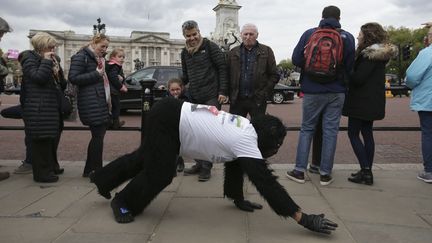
(147, 99)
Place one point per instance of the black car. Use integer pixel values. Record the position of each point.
(281, 93)
(397, 88)
(132, 98)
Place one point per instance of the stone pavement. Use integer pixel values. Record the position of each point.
(397, 208)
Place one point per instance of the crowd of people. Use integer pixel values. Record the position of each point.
(190, 123)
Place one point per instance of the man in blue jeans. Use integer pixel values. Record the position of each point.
(322, 98)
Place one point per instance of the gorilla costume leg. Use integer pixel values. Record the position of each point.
(233, 181)
(152, 166)
(267, 185)
(149, 182)
(117, 172)
(233, 187)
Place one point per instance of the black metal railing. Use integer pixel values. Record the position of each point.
(147, 99)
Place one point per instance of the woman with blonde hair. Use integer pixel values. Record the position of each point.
(43, 84)
(87, 71)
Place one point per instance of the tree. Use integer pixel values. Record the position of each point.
(409, 42)
(286, 64)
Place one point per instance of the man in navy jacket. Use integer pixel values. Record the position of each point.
(324, 99)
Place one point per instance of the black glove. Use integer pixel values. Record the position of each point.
(247, 206)
(317, 223)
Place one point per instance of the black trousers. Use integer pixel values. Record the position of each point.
(245, 106)
(95, 148)
(364, 150)
(115, 109)
(43, 161)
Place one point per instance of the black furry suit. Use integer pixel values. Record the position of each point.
(152, 167)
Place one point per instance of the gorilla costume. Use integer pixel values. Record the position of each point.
(174, 127)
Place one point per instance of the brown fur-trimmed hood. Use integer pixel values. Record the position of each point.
(380, 52)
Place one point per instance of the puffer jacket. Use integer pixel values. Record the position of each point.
(205, 71)
(366, 93)
(41, 102)
(92, 105)
(113, 71)
(419, 79)
(4, 71)
(265, 74)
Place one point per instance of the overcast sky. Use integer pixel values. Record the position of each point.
(280, 22)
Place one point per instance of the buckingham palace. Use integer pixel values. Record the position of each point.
(145, 48)
(150, 48)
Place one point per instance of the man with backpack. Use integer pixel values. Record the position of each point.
(326, 55)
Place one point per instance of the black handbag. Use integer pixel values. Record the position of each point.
(66, 105)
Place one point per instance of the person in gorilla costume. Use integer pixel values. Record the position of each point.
(174, 127)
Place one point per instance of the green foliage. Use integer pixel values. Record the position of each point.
(401, 37)
(286, 64)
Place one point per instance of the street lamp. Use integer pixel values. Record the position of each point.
(99, 28)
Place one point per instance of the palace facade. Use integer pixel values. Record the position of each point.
(150, 48)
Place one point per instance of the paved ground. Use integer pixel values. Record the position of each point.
(397, 208)
(391, 146)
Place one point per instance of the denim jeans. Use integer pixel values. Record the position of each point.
(330, 106)
(426, 138)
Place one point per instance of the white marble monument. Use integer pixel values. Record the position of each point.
(227, 31)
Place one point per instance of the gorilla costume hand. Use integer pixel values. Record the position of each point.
(247, 206)
(317, 223)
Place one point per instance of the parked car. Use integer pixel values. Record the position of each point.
(281, 93)
(132, 98)
(397, 88)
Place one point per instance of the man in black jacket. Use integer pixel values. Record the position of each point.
(204, 70)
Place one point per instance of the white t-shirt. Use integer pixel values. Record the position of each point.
(216, 136)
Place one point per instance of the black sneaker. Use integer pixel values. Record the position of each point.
(296, 176)
(204, 175)
(326, 180)
(180, 164)
(313, 169)
(195, 169)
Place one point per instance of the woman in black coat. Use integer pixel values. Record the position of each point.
(87, 71)
(44, 82)
(365, 101)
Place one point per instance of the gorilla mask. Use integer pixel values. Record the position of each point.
(271, 133)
